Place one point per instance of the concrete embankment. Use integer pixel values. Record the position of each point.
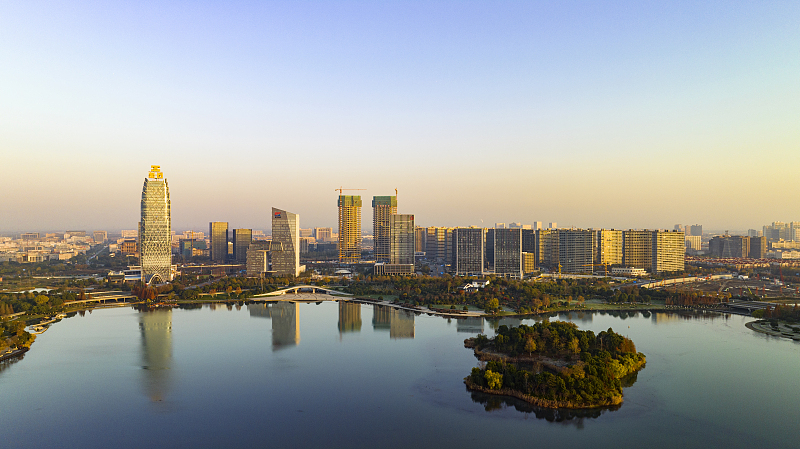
(13, 354)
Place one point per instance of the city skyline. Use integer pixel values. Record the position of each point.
(610, 115)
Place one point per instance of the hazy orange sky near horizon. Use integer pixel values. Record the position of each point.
(603, 114)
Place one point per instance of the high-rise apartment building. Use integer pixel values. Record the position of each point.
(508, 252)
(420, 238)
(668, 251)
(286, 232)
(576, 250)
(655, 251)
(694, 242)
(696, 230)
(779, 230)
(436, 243)
(401, 239)
(553, 225)
(218, 231)
(155, 243)
(637, 249)
(529, 241)
(609, 247)
(488, 249)
(258, 258)
(546, 247)
(758, 247)
(323, 235)
(349, 228)
(383, 207)
(528, 262)
(241, 240)
(468, 251)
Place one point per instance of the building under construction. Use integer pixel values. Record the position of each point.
(383, 207)
(349, 228)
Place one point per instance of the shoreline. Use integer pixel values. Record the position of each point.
(13, 354)
(539, 402)
(762, 326)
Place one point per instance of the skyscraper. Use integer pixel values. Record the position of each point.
(576, 250)
(383, 207)
(241, 240)
(609, 247)
(668, 251)
(420, 239)
(655, 251)
(154, 228)
(508, 252)
(468, 249)
(401, 236)
(436, 243)
(637, 249)
(218, 230)
(286, 231)
(349, 228)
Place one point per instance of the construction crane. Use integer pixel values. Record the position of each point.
(341, 189)
(604, 265)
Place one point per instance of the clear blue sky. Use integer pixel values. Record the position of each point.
(591, 114)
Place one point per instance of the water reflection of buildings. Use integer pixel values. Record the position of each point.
(156, 329)
(508, 321)
(579, 316)
(285, 327)
(349, 317)
(659, 317)
(400, 323)
(472, 324)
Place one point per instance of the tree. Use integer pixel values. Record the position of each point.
(574, 346)
(492, 305)
(530, 345)
(41, 299)
(493, 380)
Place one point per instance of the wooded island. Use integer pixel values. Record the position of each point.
(554, 365)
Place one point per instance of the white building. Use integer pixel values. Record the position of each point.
(628, 271)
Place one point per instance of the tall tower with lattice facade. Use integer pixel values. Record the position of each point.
(154, 228)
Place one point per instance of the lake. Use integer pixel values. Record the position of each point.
(347, 375)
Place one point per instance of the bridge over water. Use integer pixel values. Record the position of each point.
(104, 297)
(305, 292)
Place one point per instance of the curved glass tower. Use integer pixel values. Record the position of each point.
(154, 228)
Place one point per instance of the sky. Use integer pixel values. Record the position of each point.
(618, 114)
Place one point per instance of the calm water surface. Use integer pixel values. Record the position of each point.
(346, 375)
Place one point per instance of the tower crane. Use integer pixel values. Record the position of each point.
(341, 189)
(604, 265)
